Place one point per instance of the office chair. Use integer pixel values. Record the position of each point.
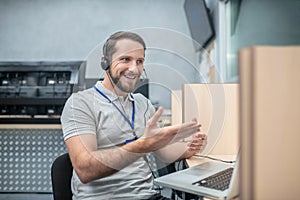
(61, 174)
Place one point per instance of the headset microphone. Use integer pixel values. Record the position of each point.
(145, 73)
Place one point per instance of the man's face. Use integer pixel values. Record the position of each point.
(127, 64)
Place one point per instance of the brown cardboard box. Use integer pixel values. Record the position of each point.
(270, 122)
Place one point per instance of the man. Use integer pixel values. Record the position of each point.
(108, 130)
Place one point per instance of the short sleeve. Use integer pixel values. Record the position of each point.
(77, 117)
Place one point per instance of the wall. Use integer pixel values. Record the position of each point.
(267, 22)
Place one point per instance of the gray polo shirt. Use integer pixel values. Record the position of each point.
(88, 112)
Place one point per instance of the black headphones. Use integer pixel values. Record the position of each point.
(105, 64)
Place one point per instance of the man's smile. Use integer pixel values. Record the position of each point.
(130, 76)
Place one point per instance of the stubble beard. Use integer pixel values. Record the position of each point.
(119, 85)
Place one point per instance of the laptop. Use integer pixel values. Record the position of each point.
(199, 180)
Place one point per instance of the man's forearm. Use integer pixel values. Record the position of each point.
(119, 157)
(101, 163)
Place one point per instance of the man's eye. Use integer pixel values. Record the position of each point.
(125, 59)
(139, 62)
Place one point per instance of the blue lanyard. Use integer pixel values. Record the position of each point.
(131, 124)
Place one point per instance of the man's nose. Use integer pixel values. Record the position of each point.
(133, 67)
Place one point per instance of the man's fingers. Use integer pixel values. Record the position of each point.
(185, 126)
(195, 120)
(153, 120)
(188, 131)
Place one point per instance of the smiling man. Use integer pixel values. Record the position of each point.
(108, 130)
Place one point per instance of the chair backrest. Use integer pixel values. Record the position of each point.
(61, 174)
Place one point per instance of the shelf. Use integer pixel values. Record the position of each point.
(29, 120)
(33, 101)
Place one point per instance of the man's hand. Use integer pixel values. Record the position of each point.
(196, 145)
(155, 137)
(186, 143)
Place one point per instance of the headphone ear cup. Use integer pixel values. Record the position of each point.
(105, 64)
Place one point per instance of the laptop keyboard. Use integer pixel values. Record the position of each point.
(218, 181)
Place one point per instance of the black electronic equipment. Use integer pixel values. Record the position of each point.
(35, 92)
(105, 63)
(199, 22)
